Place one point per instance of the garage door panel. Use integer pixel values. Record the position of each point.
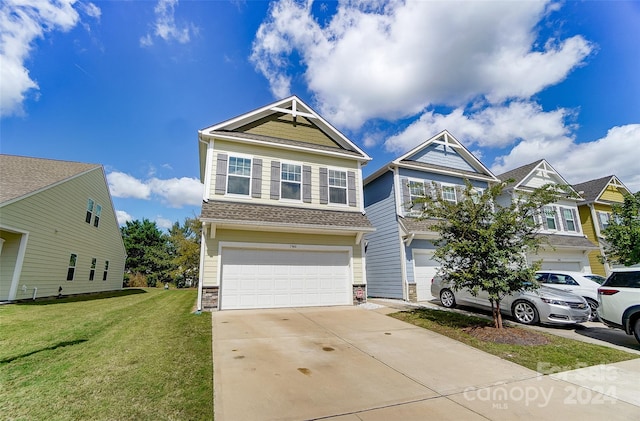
(426, 268)
(264, 278)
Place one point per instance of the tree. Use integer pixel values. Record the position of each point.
(185, 250)
(483, 245)
(623, 232)
(147, 251)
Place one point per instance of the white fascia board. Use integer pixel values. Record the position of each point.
(377, 173)
(446, 172)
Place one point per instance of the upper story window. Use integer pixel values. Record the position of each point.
(603, 219)
(96, 219)
(291, 181)
(549, 215)
(569, 220)
(106, 270)
(239, 178)
(90, 205)
(449, 193)
(71, 271)
(338, 187)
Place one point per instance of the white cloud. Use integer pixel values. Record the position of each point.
(22, 22)
(123, 217)
(165, 25)
(615, 154)
(163, 223)
(91, 9)
(124, 185)
(176, 192)
(391, 59)
(496, 126)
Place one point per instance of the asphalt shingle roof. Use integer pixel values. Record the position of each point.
(414, 225)
(282, 216)
(20, 175)
(518, 174)
(565, 241)
(591, 189)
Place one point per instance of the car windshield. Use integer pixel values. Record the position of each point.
(596, 278)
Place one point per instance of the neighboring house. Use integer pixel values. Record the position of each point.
(564, 245)
(400, 260)
(283, 215)
(595, 213)
(58, 230)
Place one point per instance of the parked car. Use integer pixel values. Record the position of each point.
(544, 305)
(619, 299)
(575, 282)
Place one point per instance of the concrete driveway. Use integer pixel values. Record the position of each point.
(350, 363)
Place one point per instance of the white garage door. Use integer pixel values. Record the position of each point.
(425, 269)
(265, 278)
(572, 266)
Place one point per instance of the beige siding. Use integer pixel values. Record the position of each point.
(283, 126)
(55, 220)
(270, 154)
(210, 273)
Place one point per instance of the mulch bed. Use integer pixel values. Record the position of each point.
(507, 335)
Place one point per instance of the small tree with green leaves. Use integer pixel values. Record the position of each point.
(483, 245)
(185, 249)
(623, 232)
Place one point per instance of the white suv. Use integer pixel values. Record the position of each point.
(619, 299)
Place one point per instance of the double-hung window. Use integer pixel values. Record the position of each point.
(338, 187)
(449, 193)
(89, 215)
(71, 271)
(416, 192)
(604, 218)
(96, 219)
(569, 220)
(239, 178)
(290, 181)
(92, 271)
(106, 270)
(549, 214)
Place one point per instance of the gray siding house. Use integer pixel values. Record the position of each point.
(399, 253)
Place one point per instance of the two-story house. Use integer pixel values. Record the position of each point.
(283, 214)
(564, 245)
(400, 260)
(595, 212)
(58, 229)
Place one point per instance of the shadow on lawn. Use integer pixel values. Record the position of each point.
(50, 348)
(82, 297)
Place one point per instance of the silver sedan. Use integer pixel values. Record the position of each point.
(545, 305)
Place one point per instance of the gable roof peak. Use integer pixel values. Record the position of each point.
(593, 189)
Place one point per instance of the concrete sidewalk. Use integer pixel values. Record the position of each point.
(350, 363)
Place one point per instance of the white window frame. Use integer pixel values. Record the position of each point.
(451, 186)
(604, 223)
(96, 215)
(413, 196)
(551, 210)
(345, 187)
(282, 180)
(73, 266)
(91, 205)
(567, 215)
(236, 157)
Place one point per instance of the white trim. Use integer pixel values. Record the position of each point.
(403, 267)
(359, 187)
(206, 194)
(346, 187)
(295, 163)
(241, 156)
(22, 250)
(455, 194)
(203, 247)
(451, 172)
(396, 185)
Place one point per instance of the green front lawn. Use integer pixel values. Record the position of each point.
(132, 355)
(557, 354)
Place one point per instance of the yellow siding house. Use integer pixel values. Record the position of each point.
(58, 230)
(283, 214)
(595, 213)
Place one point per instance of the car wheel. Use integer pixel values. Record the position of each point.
(525, 313)
(636, 329)
(593, 305)
(447, 298)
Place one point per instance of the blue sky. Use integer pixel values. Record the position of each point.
(128, 84)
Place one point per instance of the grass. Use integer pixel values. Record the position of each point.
(131, 355)
(559, 354)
